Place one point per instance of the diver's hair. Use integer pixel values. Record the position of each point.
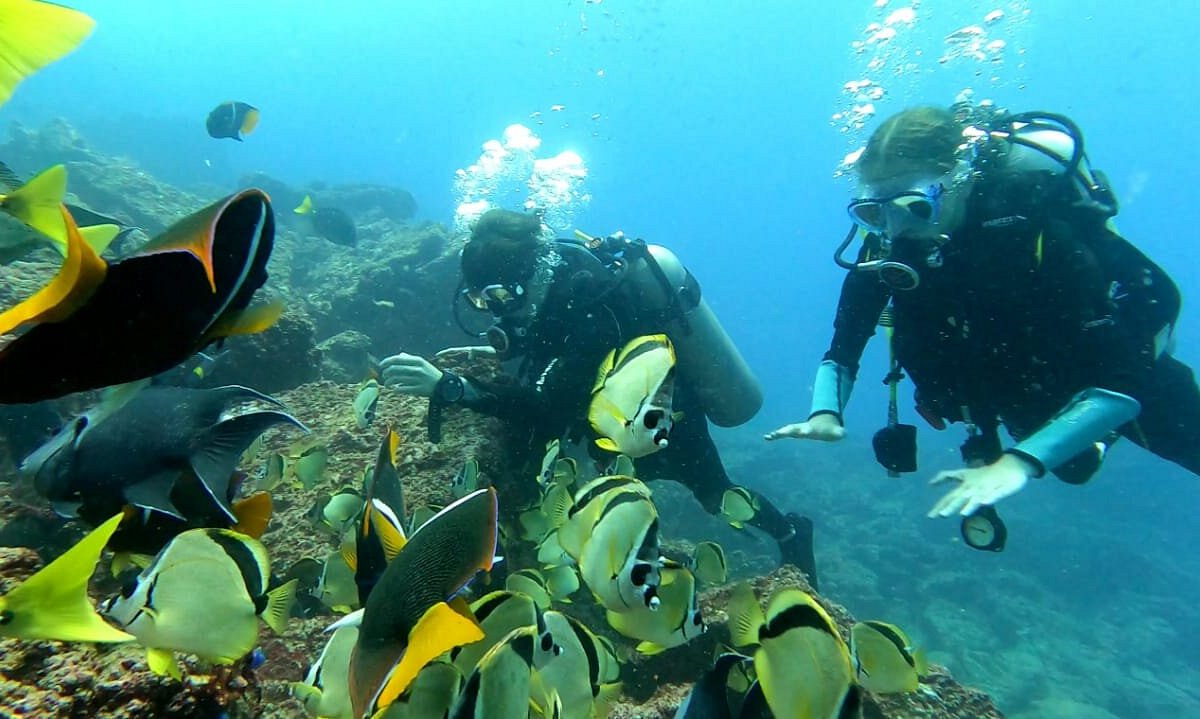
(918, 140)
(503, 248)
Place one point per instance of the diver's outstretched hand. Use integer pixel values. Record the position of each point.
(823, 427)
(979, 486)
(409, 374)
(470, 352)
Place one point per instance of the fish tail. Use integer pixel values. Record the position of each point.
(35, 35)
(279, 606)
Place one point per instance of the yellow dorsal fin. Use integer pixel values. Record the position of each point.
(80, 274)
(54, 603)
(34, 35)
(37, 203)
(393, 448)
(253, 514)
(304, 207)
(605, 367)
(442, 628)
(279, 606)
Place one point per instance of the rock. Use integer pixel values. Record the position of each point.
(345, 357)
(281, 358)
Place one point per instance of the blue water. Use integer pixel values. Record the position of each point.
(714, 137)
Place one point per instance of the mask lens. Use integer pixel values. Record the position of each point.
(476, 299)
(920, 207)
(868, 214)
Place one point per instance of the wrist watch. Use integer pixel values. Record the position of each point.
(450, 388)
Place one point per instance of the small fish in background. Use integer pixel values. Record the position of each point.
(337, 513)
(337, 588)
(498, 614)
(203, 595)
(531, 583)
(738, 506)
(431, 694)
(708, 563)
(54, 604)
(466, 479)
(365, 403)
(329, 222)
(231, 120)
(884, 658)
(35, 35)
(802, 663)
(305, 464)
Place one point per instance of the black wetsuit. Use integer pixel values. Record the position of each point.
(576, 326)
(1036, 299)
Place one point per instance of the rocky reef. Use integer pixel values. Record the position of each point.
(346, 306)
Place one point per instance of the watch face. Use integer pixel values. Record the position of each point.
(451, 388)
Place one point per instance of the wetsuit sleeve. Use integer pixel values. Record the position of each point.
(554, 394)
(862, 299)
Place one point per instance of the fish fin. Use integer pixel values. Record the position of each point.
(607, 445)
(38, 203)
(304, 207)
(350, 555)
(745, 616)
(98, 237)
(162, 662)
(125, 561)
(605, 367)
(920, 662)
(248, 322)
(221, 451)
(736, 524)
(279, 606)
(154, 492)
(250, 120)
(54, 604)
(35, 35)
(439, 630)
(77, 279)
(253, 514)
(390, 536)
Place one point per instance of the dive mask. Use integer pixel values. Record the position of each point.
(892, 214)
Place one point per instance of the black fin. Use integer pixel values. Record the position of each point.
(155, 493)
(232, 392)
(220, 452)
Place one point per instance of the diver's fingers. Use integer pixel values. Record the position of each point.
(947, 475)
(948, 504)
(973, 505)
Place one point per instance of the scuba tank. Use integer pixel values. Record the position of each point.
(654, 282)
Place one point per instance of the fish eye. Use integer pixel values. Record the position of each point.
(639, 574)
(6, 617)
(548, 644)
(652, 418)
(129, 586)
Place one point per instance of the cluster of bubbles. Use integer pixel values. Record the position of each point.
(510, 175)
(896, 46)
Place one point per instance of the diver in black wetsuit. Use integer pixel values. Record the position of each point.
(1010, 300)
(559, 307)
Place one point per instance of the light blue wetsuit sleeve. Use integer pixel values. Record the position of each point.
(1087, 418)
(831, 389)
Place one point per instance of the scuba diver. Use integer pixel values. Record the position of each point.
(991, 261)
(558, 307)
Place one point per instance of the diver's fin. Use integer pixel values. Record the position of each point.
(54, 603)
(154, 492)
(222, 448)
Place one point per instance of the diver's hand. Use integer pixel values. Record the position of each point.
(823, 427)
(979, 486)
(471, 351)
(410, 374)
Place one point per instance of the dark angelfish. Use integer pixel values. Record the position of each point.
(232, 120)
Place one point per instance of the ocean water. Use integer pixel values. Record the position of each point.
(710, 127)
